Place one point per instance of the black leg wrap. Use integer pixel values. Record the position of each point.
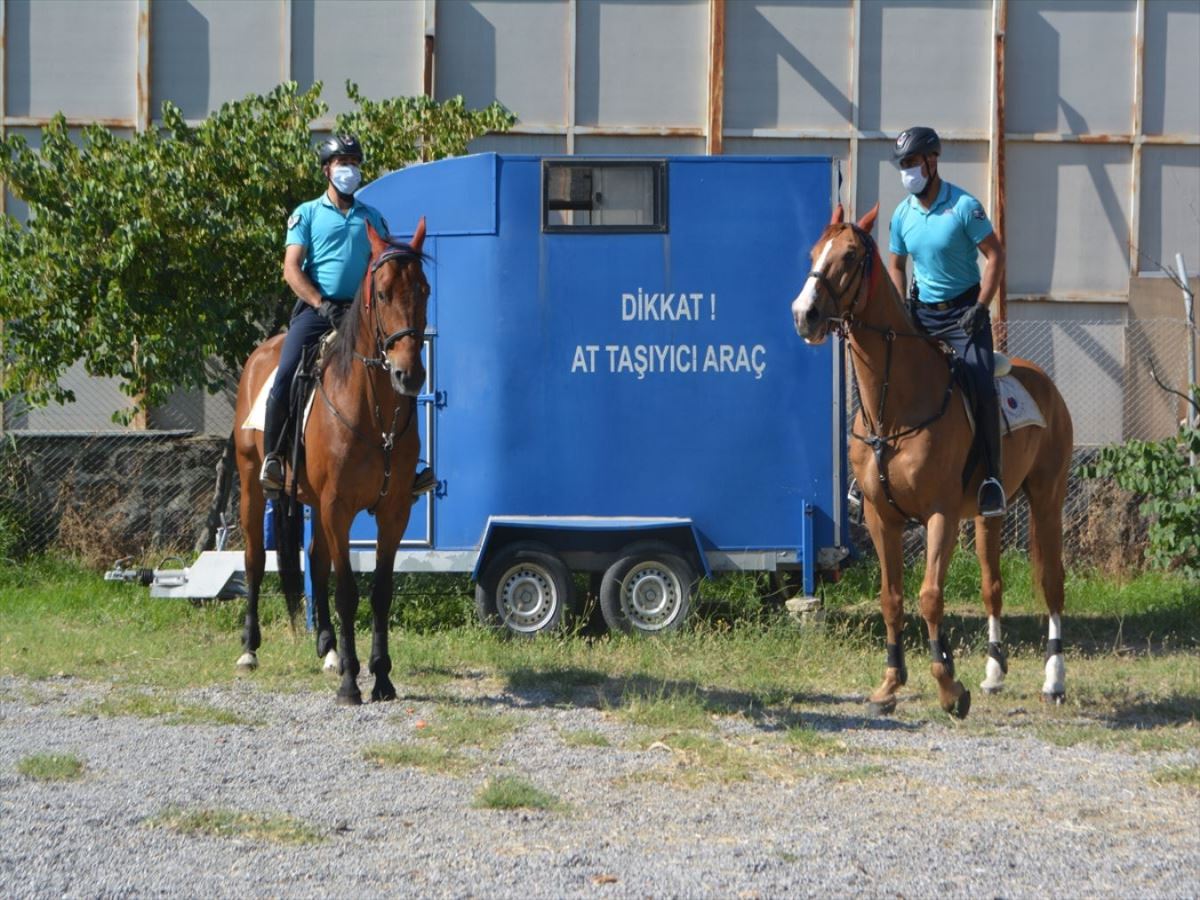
(895, 660)
(1053, 647)
(941, 653)
(995, 652)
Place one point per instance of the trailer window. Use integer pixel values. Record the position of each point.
(625, 195)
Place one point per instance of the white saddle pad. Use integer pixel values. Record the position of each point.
(1017, 406)
(257, 419)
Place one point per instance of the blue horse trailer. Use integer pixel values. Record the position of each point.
(615, 386)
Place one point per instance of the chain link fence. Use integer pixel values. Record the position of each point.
(73, 481)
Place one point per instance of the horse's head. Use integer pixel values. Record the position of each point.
(841, 269)
(395, 297)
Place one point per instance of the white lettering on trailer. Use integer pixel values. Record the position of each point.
(661, 307)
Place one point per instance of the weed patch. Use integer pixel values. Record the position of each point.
(272, 828)
(170, 710)
(430, 759)
(51, 767)
(514, 793)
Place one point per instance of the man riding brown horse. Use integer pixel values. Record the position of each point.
(943, 228)
(324, 262)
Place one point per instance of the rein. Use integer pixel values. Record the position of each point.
(379, 361)
(879, 443)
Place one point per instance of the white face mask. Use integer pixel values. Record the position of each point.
(346, 179)
(913, 179)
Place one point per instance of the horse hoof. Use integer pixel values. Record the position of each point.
(990, 687)
(247, 662)
(379, 694)
(961, 706)
(331, 665)
(1056, 697)
(881, 707)
(354, 699)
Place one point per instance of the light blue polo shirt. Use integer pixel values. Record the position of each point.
(338, 247)
(942, 241)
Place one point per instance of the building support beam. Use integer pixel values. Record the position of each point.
(714, 131)
(430, 47)
(1135, 161)
(141, 112)
(997, 201)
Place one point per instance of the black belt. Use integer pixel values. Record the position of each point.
(966, 298)
(340, 299)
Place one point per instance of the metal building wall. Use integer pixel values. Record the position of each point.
(1076, 121)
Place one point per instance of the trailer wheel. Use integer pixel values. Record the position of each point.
(648, 590)
(527, 590)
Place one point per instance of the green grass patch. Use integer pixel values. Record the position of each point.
(51, 767)
(271, 828)
(454, 727)
(857, 774)
(665, 708)
(438, 760)
(515, 793)
(1184, 776)
(810, 742)
(584, 738)
(170, 710)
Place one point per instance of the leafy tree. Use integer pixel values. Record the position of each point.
(1162, 474)
(147, 257)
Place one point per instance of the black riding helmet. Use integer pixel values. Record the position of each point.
(339, 145)
(917, 141)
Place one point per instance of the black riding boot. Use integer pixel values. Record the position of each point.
(987, 420)
(271, 476)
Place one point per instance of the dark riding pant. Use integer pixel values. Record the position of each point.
(976, 353)
(306, 328)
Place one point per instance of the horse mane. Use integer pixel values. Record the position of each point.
(341, 352)
(872, 247)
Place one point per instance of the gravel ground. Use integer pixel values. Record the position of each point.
(910, 806)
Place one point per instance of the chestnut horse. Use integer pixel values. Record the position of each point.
(910, 452)
(360, 452)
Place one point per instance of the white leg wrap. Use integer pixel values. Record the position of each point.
(994, 629)
(1056, 676)
(247, 661)
(993, 680)
(331, 662)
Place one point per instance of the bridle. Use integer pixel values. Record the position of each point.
(862, 278)
(383, 343)
(846, 323)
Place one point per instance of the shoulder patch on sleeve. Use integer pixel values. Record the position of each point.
(293, 219)
(977, 213)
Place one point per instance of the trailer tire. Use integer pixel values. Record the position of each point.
(648, 590)
(526, 590)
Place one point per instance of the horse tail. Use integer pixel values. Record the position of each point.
(287, 519)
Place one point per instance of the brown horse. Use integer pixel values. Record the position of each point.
(360, 452)
(910, 453)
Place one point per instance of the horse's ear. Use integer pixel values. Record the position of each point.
(418, 235)
(867, 222)
(839, 215)
(377, 243)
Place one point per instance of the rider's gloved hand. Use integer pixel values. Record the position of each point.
(332, 312)
(975, 319)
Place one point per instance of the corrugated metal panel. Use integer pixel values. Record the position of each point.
(512, 52)
(927, 63)
(641, 63)
(782, 69)
(1170, 219)
(1069, 66)
(1072, 205)
(964, 164)
(1172, 104)
(377, 45)
(595, 144)
(78, 58)
(205, 52)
